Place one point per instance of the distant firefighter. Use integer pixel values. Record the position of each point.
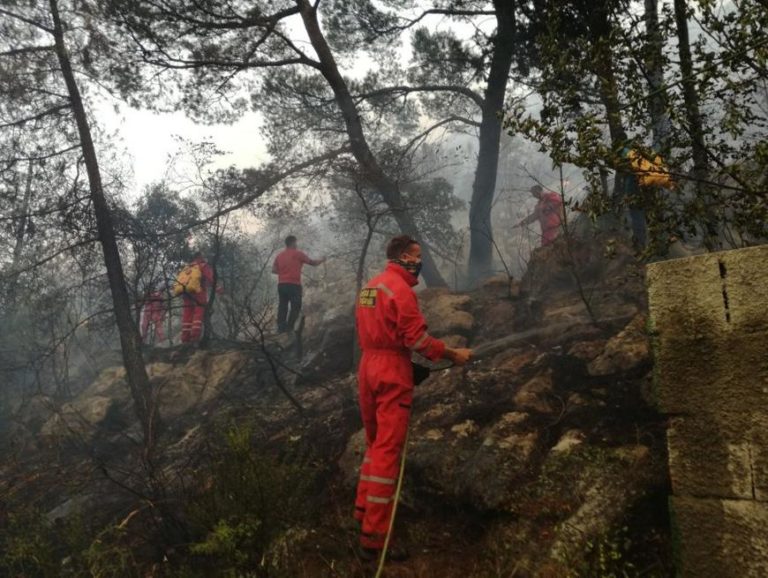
(287, 267)
(193, 283)
(153, 313)
(639, 175)
(548, 212)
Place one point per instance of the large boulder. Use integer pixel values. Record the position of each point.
(329, 350)
(447, 313)
(107, 404)
(624, 352)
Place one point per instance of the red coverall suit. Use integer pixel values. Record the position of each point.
(390, 326)
(548, 212)
(194, 305)
(153, 312)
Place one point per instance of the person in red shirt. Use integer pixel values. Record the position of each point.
(194, 306)
(154, 313)
(390, 327)
(549, 213)
(287, 267)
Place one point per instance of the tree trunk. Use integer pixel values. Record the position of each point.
(130, 342)
(20, 235)
(205, 342)
(695, 129)
(375, 176)
(690, 96)
(654, 62)
(600, 27)
(484, 187)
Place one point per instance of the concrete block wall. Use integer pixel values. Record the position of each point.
(709, 322)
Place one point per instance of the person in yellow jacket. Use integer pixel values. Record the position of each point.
(639, 174)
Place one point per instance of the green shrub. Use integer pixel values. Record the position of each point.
(34, 547)
(249, 515)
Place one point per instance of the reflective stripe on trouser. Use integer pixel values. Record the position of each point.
(191, 319)
(386, 391)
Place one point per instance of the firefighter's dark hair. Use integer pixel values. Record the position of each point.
(290, 240)
(399, 245)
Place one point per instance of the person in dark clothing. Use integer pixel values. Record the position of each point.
(287, 267)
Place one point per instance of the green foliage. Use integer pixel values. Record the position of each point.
(250, 514)
(606, 557)
(27, 547)
(34, 547)
(595, 69)
(109, 556)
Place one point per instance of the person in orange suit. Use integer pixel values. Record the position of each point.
(194, 304)
(390, 328)
(153, 313)
(548, 212)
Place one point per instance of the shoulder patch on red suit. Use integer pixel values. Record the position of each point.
(367, 297)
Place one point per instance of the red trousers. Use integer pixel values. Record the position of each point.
(192, 319)
(155, 314)
(548, 236)
(385, 380)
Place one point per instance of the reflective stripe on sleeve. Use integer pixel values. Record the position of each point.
(420, 342)
(386, 289)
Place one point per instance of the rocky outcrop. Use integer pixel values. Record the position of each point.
(623, 352)
(106, 404)
(447, 313)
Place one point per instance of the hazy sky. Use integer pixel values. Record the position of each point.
(149, 139)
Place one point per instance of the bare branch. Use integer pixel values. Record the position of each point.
(43, 212)
(43, 114)
(28, 50)
(26, 20)
(181, 64)
(13, 160)
(437, 125)
(45, 260)
(409, 23)
(263, 188)
(404, 90)
(234, 22)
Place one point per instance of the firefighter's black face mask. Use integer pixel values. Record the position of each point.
(413, 267)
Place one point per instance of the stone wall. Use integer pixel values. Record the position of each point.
(709, 322)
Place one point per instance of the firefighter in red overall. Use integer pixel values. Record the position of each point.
(548, 212)
(390, 327)
(153, 313)
(195, 298)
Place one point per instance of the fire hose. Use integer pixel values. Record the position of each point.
(420, 373)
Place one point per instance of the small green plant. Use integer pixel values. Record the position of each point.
(252, 502)
(108, 557)
(606, 556)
